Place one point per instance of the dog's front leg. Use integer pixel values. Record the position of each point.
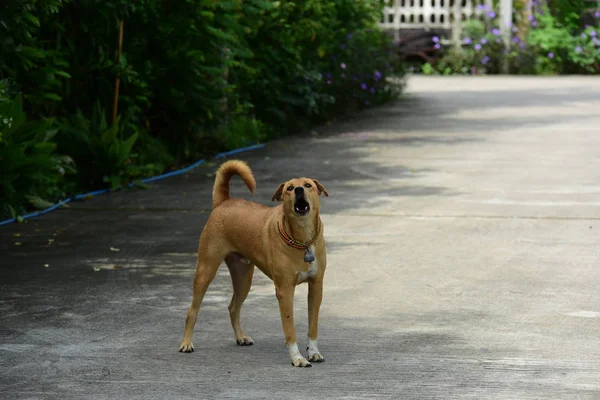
(285, 296)
(315, 295)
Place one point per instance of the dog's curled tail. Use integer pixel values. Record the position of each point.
(224, 174)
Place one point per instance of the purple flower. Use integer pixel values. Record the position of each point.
(597, 14)
(515, 39)
(492, 14)
(578, 49)
(583, 36)
(477, 47)
(363, 86)
(468, 40)
(483, 41)
(328, 76)
(377, 76)
(596, 41)
(367, 102)
(534, 23)
(551, 55)
(530, 18)
(593, 34)
(372, 90)
(436, 46)
(485, 60)
(329, 82)
(349, 36)
(343, 65)
(435, 39)
(496, 31)
(514, 29)
(483, 7)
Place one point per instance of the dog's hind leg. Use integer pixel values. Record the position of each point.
(241, 277)
(206, 269)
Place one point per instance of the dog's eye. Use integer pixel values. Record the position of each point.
(290, 188)
(308, 185)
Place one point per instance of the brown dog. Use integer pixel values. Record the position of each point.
(285, 242)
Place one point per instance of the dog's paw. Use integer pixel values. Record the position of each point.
(301, 362)
(297, 359)
(314, 354)
(245, 341)
(315, 357)
(186, 347)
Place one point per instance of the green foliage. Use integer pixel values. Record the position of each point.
(549, 47)
(101, 152)
(31, 170)
(428, 69)
(482, 51)
(561, 51)
(195, 76)
(362, 71)
(567, 12)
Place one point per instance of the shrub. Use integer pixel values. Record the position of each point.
(32, 172)
(549, 47)
(362, 71)
(560, 50)
(196, 76)
(101, 152)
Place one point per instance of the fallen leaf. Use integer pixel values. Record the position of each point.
(46, 265)
(18, 243)
(96, 269)
(114, 249)
(50, 241)
(16, 234)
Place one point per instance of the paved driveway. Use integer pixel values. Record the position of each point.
(463, 231)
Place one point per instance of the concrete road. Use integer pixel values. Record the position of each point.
(463, 231)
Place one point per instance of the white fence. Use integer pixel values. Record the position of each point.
(428, 14)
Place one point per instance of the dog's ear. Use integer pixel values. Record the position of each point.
(278, 193)
(321, 189)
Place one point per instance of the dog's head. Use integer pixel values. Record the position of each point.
(300, 196)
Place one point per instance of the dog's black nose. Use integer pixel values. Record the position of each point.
(299, 190)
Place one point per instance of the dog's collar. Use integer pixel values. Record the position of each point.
(297, 244)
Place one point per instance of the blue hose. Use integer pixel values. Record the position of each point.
(147, 180)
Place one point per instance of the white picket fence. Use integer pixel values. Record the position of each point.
(429, 14)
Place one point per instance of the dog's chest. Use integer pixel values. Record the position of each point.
(312, 270)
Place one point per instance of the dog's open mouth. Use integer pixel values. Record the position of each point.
(301, 206)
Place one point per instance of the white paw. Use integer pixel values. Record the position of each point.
(314, 354)
(301, 362)
(297, 359)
